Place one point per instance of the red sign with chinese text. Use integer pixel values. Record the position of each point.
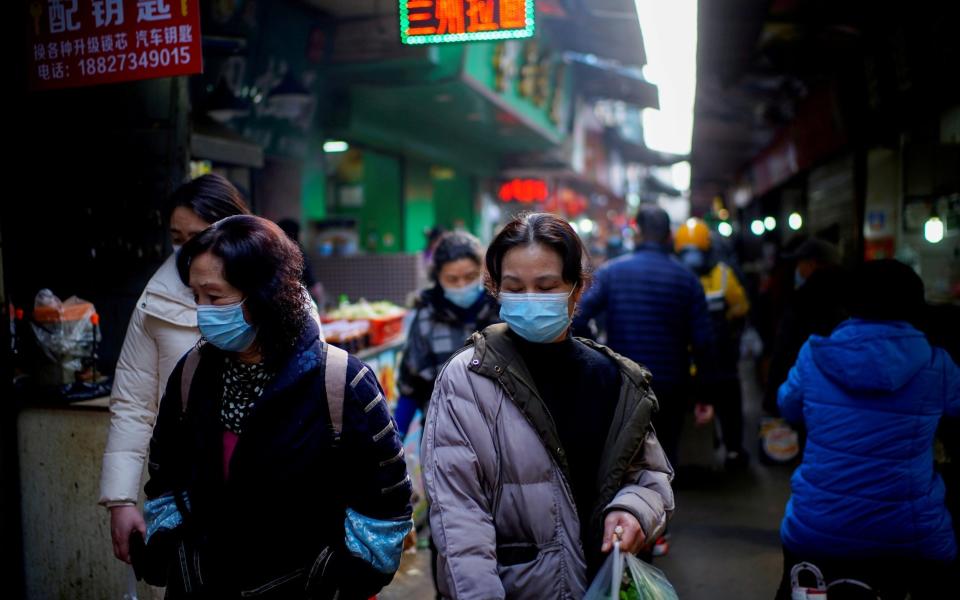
(76, 43)
(525, 191)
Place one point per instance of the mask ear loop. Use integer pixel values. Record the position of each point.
(574, 311)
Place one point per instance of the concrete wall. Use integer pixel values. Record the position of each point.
(66, 535)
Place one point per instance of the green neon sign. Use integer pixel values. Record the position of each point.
(458, 21)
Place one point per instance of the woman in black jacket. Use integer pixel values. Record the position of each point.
(447, 314)
(281, 475)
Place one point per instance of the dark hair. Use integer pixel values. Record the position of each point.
(820, 251)
(452, 247)
(433, 234)
(654, 224)
(539, 228)
(291, 228)
(211, 197)
(265, 265)
(886, 290)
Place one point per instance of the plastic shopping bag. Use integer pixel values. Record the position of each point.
(65, 337)
(626, 577)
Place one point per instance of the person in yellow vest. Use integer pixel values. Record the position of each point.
(728, 306)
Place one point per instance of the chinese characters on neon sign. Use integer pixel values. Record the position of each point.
(524, 191)
(564, 201)
(440, 21)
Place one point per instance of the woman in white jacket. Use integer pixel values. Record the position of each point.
(162, 329)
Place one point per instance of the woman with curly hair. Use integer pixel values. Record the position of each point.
(163, 326)
(275, 469)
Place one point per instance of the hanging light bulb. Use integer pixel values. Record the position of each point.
(933, 230)
(795, 221)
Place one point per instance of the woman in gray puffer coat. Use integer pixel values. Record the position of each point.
(538, 447)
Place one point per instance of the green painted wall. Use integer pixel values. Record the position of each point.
(380, 217)
(313, 198)
(402, 198)
(454, 200)
(418, 204)
(382, 181)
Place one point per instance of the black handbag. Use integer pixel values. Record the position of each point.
(173, 557)
(146, 565)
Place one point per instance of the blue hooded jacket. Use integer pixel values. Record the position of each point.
(870, 396)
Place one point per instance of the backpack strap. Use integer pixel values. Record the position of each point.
(186, 376)
(335, 381)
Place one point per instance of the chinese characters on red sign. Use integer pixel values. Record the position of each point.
(564, 201)
(525, 191)
(436, 21)
(77, 43)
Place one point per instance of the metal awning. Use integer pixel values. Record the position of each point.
(653, 184)
(608, 29)
(598, 78)
(633, 152)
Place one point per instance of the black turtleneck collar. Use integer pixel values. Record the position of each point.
(562, 348)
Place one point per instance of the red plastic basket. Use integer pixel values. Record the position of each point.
(385, 329)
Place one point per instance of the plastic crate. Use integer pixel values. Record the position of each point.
(385, 329)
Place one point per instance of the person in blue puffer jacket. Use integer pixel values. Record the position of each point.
(866, 502)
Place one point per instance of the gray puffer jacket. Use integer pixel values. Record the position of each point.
(496, 476)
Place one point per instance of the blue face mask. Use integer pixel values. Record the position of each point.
(177, 248)
(465, 296)
(538, 318)
(225, 327)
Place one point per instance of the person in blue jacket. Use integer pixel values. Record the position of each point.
(656, 315)
(866, 503)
